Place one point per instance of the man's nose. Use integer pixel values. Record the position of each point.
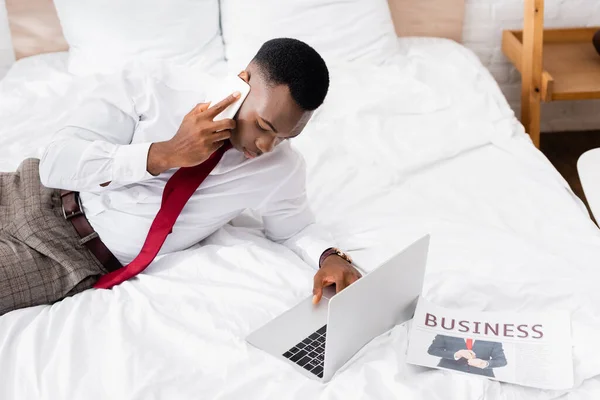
(266, 143)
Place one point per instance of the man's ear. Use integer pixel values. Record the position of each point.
(245, 75)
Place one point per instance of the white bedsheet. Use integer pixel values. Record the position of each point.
(425, 144)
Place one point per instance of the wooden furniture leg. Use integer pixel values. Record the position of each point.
(532, 57)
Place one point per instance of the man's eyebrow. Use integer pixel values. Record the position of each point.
(270, 124)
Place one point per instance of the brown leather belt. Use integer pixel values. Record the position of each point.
(73, 212)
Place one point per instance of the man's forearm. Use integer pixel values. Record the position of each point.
(498, 360)
(159, 158)
(65, 165)
(441, 352)
(94, 149)
(80, 165)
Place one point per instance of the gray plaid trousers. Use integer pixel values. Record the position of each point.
(41, 257)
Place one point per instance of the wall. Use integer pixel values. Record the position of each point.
(484, 22)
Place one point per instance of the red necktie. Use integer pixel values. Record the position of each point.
(177, 192)
(469, 344)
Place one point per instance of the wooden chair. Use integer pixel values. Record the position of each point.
(555, 64)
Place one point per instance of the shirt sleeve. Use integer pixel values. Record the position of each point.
(288, 219)
(438, 348)
(95, 144)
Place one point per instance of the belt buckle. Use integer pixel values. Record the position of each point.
(74, 213)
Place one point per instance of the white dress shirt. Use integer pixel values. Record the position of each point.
(107, 139)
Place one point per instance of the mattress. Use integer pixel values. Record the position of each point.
(423, 144)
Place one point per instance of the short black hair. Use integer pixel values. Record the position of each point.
(293, 63)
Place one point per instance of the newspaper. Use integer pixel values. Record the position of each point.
(523, 348)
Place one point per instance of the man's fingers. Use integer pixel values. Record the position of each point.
(317, 296)
(221, 136)
(223, 124)
(466, 354)
(340, 284)
(200, 107)
(317, 289)
(474, 362)
(215, 146)
(223, 104)
(354, 277)
(347, 280)
(319, 282)
(342, 281)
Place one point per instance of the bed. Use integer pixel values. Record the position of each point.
(445, 156)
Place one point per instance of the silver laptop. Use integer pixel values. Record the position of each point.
(319, 339)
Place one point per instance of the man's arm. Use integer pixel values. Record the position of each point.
(289, 220)
(438, 348)
(94, 149)
(498, 359)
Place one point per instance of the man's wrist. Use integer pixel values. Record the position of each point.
(159, 158)
(332, 251)
(329, 258)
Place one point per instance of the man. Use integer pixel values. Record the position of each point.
(119, 150)
(467, 355)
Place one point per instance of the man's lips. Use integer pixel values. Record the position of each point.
(249, 154)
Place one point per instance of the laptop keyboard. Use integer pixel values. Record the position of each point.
(310, 353)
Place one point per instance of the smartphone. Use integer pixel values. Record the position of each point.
(224, 89)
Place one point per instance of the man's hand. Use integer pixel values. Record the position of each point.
(468, 354)
(335, 270)
(196, 139)
(476, 362)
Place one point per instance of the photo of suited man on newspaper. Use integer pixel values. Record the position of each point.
(468, 355)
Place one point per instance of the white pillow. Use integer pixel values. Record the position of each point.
(103, 35)
(340, 30)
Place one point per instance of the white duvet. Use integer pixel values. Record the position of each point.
(424, 144)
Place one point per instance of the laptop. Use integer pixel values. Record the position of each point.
(319, 339)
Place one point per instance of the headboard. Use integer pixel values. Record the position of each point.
(439, 18)
(35, 28)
